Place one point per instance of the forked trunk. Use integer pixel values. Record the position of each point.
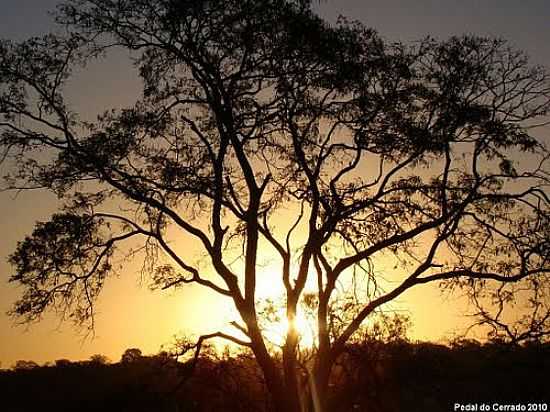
(297, 392)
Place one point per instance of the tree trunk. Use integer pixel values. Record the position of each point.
(276, 382)
(320, 382)
(289, 393)
(290, 375)
(282, 400)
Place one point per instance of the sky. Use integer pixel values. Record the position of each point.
(129, 315)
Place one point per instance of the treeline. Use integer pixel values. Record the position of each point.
(373, 377)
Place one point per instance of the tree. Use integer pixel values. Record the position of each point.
(131, 355)
(24, 365)
(99, 359)
(63, 363)
(426, 156)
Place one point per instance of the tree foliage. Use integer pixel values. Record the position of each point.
(425, 154)
(131, 355)
(390, 376)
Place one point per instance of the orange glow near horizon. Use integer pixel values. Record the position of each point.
(129, 315)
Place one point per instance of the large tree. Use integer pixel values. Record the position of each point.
(425, 156)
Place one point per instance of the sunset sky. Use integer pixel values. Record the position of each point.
(129, 315)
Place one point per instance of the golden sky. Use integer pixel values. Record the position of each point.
(129, 315)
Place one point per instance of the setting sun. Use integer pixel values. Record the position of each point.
(276, 328)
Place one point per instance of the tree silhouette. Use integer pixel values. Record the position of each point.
(25, 365)
(423, 155)
(131, 355)
(99, 359)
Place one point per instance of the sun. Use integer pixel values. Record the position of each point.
(271, 298)
(276, 328)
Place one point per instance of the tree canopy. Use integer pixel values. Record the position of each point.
(425, 154)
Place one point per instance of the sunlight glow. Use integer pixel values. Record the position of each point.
(275, 330)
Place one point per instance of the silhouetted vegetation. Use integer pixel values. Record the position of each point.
(370, 376)
(401, 376)
(265, 135)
